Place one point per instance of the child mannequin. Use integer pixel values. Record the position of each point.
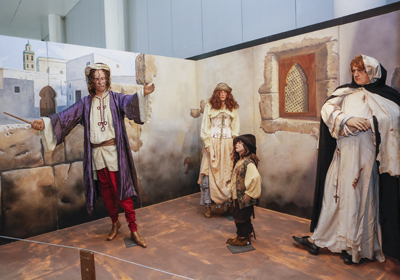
(245, 185)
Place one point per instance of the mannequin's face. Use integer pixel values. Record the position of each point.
(239, 146)
(99, 81)
(360, 76)
(222, 95)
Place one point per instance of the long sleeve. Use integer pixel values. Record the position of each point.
(205, 133)
(144, 106)
(252, 181)
(49, 139)
(63, 122)
(135, 107)
(333, 116)
(235, 124)
(387, 114)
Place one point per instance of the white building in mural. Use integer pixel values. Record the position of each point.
(76, 81)
(52, 65)
(65, 77)
(56, 70)
(40, 79)
(17, 85)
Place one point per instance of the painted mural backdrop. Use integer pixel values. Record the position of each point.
(280, 87)
(44, 192)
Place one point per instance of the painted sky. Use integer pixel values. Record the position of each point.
(11, 50)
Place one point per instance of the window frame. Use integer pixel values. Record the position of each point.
(307, 62)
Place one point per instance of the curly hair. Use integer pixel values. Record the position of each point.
(91, 81)
(357, 62)
(246, 153)
(230, 102)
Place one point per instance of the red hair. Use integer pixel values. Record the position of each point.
(230, 102)
(357, 62)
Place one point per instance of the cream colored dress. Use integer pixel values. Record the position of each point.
(349, 218)
(218, 129)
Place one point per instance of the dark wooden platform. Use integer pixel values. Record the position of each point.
(183, 242)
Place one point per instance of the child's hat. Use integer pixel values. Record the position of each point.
(249, 140)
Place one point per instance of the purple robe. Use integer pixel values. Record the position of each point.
(79, 113)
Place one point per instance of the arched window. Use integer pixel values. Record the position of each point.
(296, 90)
(297, 86)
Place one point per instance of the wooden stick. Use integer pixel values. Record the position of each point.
(18, 118)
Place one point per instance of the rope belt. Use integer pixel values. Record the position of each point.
(110, 142)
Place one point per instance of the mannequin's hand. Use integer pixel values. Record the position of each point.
(148, 88)
(38, 124)
(246, 198)
(360, 124)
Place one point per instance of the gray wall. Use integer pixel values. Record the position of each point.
(186, 28)
(84, 24)
(181, 28)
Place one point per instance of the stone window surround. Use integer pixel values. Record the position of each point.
(326, 64)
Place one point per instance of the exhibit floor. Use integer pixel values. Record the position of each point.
(183, 244)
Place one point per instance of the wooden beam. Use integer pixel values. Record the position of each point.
(87, 265)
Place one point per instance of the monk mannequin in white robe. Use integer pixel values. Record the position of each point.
(348, 221)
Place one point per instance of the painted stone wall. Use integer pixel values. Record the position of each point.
(287, 146)
(44, 192)
(41, 192)
(169, 157)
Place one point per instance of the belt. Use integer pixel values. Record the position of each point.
(110, 142)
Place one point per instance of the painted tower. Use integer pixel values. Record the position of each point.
(29, 58)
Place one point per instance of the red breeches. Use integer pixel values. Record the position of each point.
(108, 187)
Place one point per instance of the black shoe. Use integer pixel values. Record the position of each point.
(312, 248)
(347, 259)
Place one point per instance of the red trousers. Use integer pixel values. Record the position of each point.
(108, 187)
